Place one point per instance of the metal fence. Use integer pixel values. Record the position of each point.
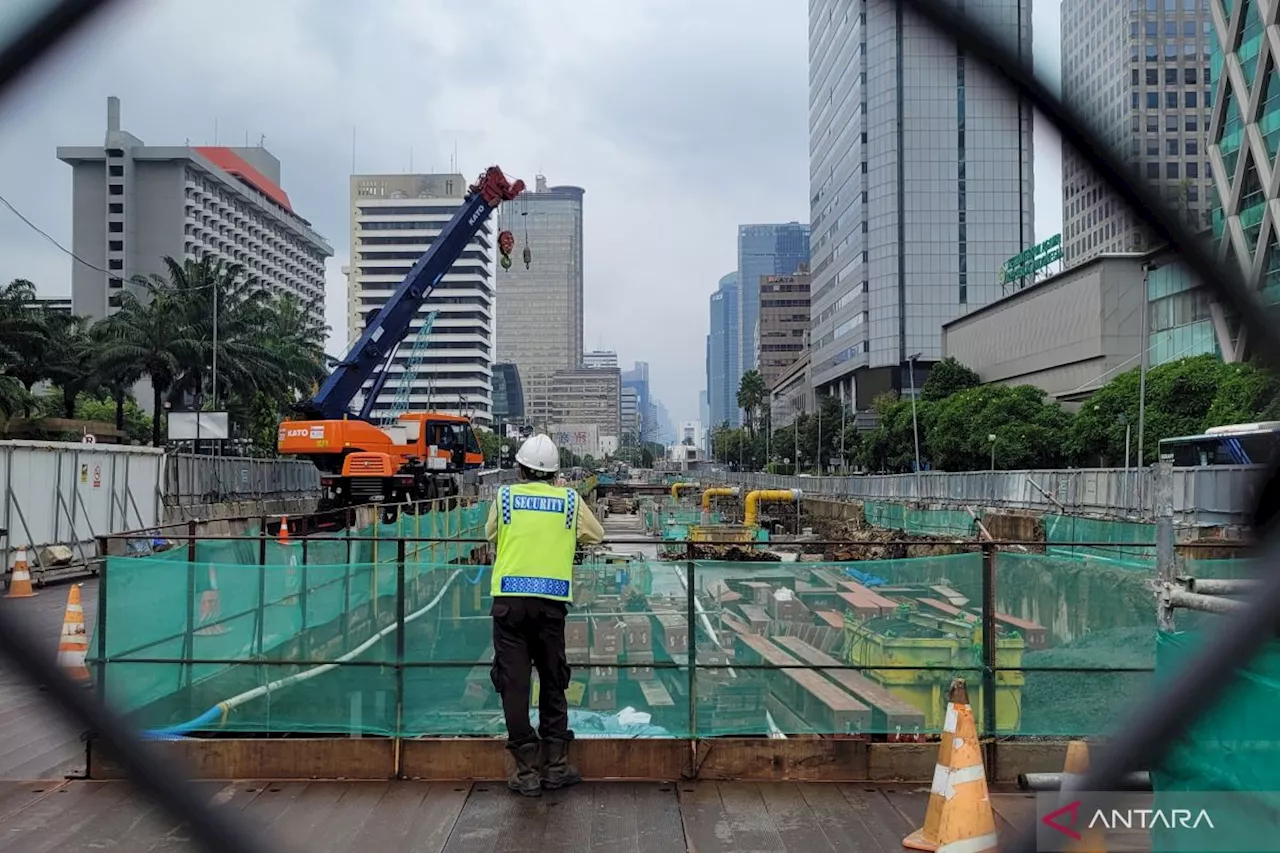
(1211, 495)
(196, 480)
(58, 497)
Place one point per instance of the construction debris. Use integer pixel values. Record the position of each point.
(724, 552)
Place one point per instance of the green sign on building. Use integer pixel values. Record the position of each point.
(1030, 262)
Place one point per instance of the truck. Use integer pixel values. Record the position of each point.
(421, 456)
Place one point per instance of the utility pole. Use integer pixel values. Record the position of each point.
(1142, 377)
(915, 425)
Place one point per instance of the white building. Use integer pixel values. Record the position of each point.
(690, 433)
(600, 359)
(134, 204)
(394, 219)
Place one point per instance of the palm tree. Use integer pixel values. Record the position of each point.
(71, 358)
(152, 338)
(752, 394)
(19, 332)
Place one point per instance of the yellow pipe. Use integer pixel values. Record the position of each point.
(752, 511)
(676, 487)
(717, 492)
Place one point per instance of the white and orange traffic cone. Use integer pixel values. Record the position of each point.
(74, 645)
(20, 577)
(282, 536)
(959, 817)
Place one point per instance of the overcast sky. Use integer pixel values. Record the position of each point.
(681, 120)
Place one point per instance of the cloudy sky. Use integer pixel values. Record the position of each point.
(680, 119)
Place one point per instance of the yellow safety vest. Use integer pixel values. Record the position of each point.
(537, 538)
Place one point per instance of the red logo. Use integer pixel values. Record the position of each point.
(1072, 809)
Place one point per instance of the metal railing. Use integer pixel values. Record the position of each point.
(1210, 495)
(1153, 726)
(420, 576)
(192, 479)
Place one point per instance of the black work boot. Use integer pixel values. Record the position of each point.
(557, 772)
(525, 780)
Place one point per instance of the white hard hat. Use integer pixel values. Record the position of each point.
(539, 453)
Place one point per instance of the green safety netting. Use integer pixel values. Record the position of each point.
(1231, 748)
(932, 522)
(1076, 639)
(1135, 542)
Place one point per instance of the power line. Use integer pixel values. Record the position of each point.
(45, 234)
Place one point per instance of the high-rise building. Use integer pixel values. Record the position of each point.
(783, 323)
(723, 366)
(637, 380)
(134, 204)
(539, 312)
(629, 412)
(394, 219)
(1140, 72)
(600, 359)
(588, 396)
(763, 250)
(1243, 153)
(508, 395)
(921, 185)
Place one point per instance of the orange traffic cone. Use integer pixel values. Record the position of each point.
(959, 817)
(74, 645)
(1091, 839)
(20, 577)
(283, 535)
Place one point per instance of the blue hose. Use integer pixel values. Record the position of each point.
(176, 732)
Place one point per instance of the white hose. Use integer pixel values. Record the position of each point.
(257, 692)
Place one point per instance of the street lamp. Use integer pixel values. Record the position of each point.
(991, 437)
(915, 425)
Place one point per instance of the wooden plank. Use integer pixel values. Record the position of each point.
(798, 827)
(878, 815)
(485, 759)
(269, 758)
(842, 825)
(706, 828)
(819, 701)
(768, 760)
(750, 825)
(868, 597)
(890, 714)
(53, 821)
(655, 695)
(417, 816)
(494, 819)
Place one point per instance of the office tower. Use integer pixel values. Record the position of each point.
(394, 219)
(637, 380)
(1140, 71)
(588, 396)
(763, 250)
(508, 396)
(1245, 139)
(629, 412)
(783, 322)
(921, 186)
(133, 204)
(539, 311)
(723, 371)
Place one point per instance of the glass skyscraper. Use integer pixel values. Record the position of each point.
(723, 365)
(764, 250)
(1244, 144)
(921, 185)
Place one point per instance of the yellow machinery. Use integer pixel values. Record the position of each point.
(751, 515)
(905, 641)
(717, 492)
(677, 488)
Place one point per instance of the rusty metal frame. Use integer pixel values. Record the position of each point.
(1140, 744)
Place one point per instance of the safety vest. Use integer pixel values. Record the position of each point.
(537, 538)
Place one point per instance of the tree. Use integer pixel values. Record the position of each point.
(1180, 396)
(752, 394)
(153, 338)
(1029, 433)
(946, 378)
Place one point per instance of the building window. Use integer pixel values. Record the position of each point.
(1171, 169)
(1153, 171)
(115, 227)
(1188, 98)
(1189, 75)
(116, 245)
(115, 189)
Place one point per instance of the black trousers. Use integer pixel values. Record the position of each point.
(528, 632)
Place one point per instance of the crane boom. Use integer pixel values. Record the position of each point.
(392, 323)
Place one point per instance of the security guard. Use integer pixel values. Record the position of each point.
(536, 526)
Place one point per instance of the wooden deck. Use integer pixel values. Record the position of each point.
(634, 817)
(36, 741)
